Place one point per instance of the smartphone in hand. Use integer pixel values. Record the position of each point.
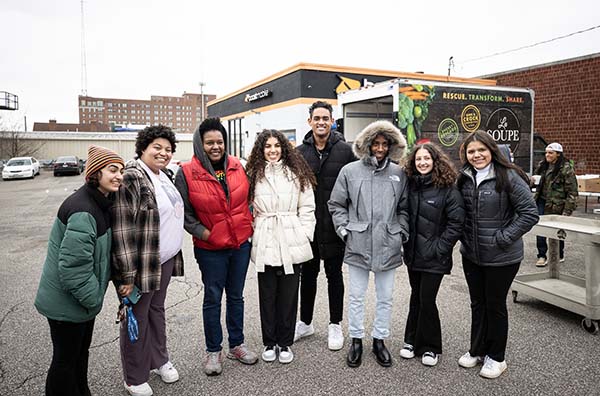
(135, 295)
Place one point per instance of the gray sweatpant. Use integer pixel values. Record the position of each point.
(150, 350)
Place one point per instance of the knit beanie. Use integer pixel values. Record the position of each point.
(98, 158)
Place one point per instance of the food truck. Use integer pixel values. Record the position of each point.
(443, 113)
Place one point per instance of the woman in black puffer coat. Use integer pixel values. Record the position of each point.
(499, 210)
(436, 221)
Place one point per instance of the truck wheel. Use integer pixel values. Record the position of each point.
(590, 325)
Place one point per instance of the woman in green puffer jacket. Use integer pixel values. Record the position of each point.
(76, 272)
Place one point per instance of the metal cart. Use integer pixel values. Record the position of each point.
(581, 296)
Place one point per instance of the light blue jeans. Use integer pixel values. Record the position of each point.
(384, 287)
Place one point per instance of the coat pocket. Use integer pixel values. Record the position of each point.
(220, 237)
(394, 228)
(357, 240)
(358, 227)
(393, 239)
(500, 241)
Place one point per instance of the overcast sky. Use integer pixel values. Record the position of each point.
(138, 48)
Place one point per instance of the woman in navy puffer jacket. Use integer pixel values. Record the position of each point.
(499, 210)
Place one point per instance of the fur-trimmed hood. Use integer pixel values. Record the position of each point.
(397, 142)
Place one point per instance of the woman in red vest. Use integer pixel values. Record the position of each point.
(215, 189)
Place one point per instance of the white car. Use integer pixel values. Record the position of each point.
(20, 168)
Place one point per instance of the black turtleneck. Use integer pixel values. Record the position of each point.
(219, 168)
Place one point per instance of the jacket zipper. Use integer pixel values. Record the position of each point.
(475, 228)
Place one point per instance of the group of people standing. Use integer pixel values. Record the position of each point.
(368, 205)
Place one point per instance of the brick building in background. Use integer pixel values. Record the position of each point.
(182, 114)
(567, 105)
(53, 126)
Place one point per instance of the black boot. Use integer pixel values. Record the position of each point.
(383, 356)
(354, 358)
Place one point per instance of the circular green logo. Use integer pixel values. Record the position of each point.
(448, 132)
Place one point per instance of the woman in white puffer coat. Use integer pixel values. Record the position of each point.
(281, 194)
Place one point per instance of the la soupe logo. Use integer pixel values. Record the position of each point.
(503, 125)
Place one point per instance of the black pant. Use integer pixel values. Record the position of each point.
(67, 375)
(423, 329)
(335, 286)
(488, 287)
(278, 300)
(542, 245)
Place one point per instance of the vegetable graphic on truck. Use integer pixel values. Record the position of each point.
(444, 113)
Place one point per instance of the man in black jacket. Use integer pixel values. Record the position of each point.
(326, 153)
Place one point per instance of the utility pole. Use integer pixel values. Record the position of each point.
(83, 56)
(202, 84)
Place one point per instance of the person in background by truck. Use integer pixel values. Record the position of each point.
(499, 210)
(436, 222)
(326, 153)
(556, 193)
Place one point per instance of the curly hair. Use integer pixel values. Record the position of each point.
(93, 180)
(212, 124)
(147, 135)
(501, 164)
(292, 160)
(443, 173)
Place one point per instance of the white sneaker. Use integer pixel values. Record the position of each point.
(285, 355)
(303, 330)
(167, 373)
(269, 353)
(335, 340)
(407, 351)
(492, 369)
(468, 361)
(429, 359)
(138, 390)
(541, 262)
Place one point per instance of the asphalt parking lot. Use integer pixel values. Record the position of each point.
(548, 353)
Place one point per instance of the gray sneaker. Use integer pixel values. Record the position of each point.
(242, 354)
(213, 365)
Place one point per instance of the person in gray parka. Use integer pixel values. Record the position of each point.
(369, 208)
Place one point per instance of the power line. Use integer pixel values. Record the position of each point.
(530, 45)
